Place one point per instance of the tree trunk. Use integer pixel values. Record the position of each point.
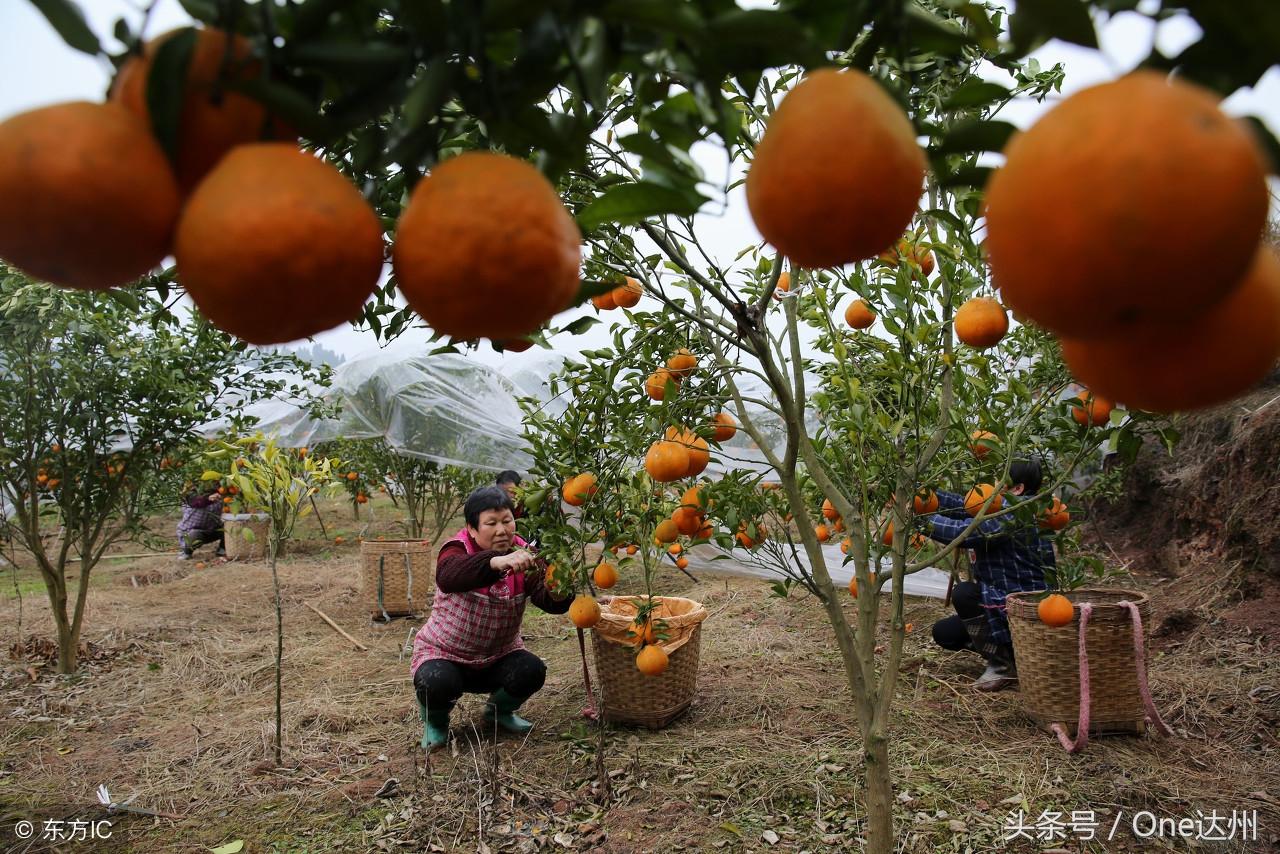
(879, 794)
(275, 582)
(67, 659)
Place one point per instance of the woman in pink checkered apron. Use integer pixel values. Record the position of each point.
(471, 642)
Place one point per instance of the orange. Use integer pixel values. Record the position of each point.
(1096, 221)
(822, 532)
(666, 461)
(981, 322)
(692, 497)
(859, 315)
(919, 254)
(682, 363)
(726, 426)
(975, 497)
(745, 539)
(486, 249)
(276, 245)
(829, 509)
(605, 301)
(584, 612)
(578, 489)
(1056, 516)
(1173, 367)
(352, 475)
(682, 563)
(656, 385)
(853, 587)
(1092, 411)
(784, 284)
(642, 632)
(605, 575)
(838, 172)
(1055, 610)
(665, 532)
(707, 531)
(215, 118)
(87, 198)
(627, 295)
(687, 520)
(674, 549)
(652, 660)
(699, 453)
(887, 539)
(925, 501)
(979, 450)
(845, 545)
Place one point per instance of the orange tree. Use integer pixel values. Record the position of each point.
(97, 415)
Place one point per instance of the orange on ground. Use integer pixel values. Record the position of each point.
(822, 533)
(652, 660)
(925, 501)
(859, 315)
(87, 198)
(726, 426)
(666, 461)
(1173, 367)
(1094, 410)
(579, 488)
(687, 520)
(584, 612)
(485, 248)
(656, 385)
(605, 575)
(215, 118)
(337, 541)
(981, 322)
(682, 363)
(1095, 221)
(980, 451)
(665, 532)
(276, 245)
(838, 173)
(975, 497)
(1055, 610)
(627, 295)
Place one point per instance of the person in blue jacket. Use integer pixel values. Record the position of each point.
(1007, 555)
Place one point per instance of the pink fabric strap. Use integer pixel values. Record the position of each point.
(1082, 724)
(1139, 646)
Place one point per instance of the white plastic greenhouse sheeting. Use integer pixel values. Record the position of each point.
(927, 582)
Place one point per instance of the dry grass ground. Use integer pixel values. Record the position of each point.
(175, 705)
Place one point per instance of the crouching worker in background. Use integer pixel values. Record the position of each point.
(201, 523)
(1006, 557)
(471, 642)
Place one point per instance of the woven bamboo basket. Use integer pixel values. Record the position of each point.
(627, 696)
(242, 547)
(1049, 663)
(396, 576)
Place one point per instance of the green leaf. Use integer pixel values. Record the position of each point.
(210, 474)
(975, 93)
(979, 135)
(630, 203)
(233, 847)
(1037, 21)
(69, 22)
(201, 10)
(166, 88)
(288, 104)
(926, 31)
(581, 325)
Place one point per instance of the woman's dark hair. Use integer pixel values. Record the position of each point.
(1027, 473)
(485, 498)
(508, 476)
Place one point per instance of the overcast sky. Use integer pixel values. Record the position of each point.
(36, 69)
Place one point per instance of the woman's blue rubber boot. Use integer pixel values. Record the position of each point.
(501, 709)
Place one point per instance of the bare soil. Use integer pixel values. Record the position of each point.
(173, 707)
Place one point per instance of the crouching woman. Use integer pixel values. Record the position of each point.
(471, 642)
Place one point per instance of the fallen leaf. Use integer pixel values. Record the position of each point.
(770, 837)
(732, 828)
(563, 839)
(957, 826)
(234, 847)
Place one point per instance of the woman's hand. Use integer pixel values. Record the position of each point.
(515, 561)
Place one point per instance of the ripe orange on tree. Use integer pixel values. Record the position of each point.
(978, 436)
(578, 489)
(829, 509)
(887, 538)
(498, 222)
(1055, 610)
(643, 633)
(665, 532)
(674, 549)
(682, 363)
(925, 501)
(688, 520)
(707, 531)
(1137, 235)
(1092, 411)
(652, 660)
(584, 611)
(784, 285)
(726, 426)
(605, 575)
(666, 461)
(87, 198)
(215, 118)
(1178, 366)
(682, 563)
(1055, 517)
(605, 301)
(698, 451)
(838, 173)
(276, 245)
(627, 295)
(822, 533)
(352, 475)
(859, 315)
(845, 544)
(975, 497)
(656, 385)
(981, 322)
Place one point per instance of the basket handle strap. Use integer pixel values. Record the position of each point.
(1139, 648)
(1086, 700)
(386, 618)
